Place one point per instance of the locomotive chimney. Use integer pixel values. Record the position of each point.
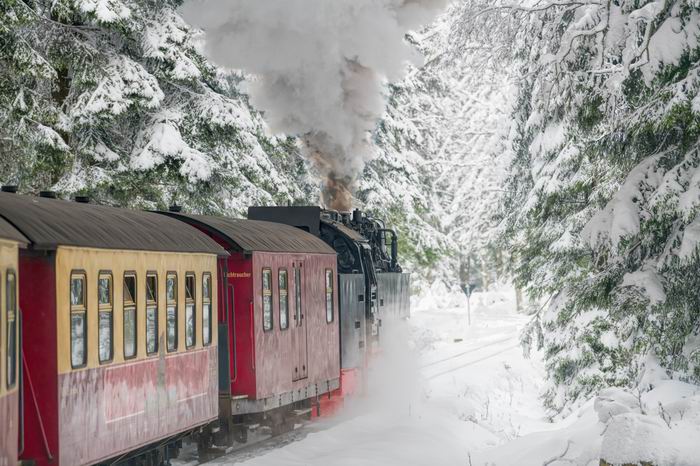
(9, 188)
(48, 194)
(357, 216)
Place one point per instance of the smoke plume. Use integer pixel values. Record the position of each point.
(320, 68)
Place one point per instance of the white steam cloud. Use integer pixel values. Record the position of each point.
(321, 67)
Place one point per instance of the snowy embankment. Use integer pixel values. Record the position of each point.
(449, 393)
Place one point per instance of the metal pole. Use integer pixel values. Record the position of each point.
(469, 291)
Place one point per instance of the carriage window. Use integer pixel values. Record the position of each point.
(206, 308)
(171, 299)
(129, 316)
(283, 280)
(105, 331)
(151, 313)
(267, 299)
(11, 296)
(78, 317)
(297, 295)
(189, 310)
(329, 295)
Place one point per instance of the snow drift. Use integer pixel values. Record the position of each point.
(320, 69)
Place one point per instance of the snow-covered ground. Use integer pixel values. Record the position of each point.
(449, 393)
(443, 391)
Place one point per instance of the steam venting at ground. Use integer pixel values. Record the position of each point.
(320, 68)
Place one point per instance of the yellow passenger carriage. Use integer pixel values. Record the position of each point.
(10, 359)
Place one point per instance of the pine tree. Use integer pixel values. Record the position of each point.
(113, 98)
(603, 193)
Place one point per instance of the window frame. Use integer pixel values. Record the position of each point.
(10, 272)
(149, 305)
(283, 293)
(84, 311)
(298, 287)
(193, 302)
(168, 275)
(130, 306)
(207, 300)
(270, 294)
(329, 290)
(102, 308)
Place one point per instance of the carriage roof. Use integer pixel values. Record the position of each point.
(8, 232)
(258, 236)
(48, 223)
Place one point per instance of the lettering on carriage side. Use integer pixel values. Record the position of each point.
(238, 275)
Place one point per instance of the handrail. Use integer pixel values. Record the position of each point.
(252, 335)
(230, 293)
(20, 444)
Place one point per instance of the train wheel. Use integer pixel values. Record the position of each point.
(281, 424)
(204, 445)
(240, 433)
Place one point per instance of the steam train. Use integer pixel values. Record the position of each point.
(124, 332)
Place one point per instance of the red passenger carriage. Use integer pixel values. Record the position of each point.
(279, 315)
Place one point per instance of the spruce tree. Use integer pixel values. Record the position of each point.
(603, 194)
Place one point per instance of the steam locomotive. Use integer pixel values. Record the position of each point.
(124, 332)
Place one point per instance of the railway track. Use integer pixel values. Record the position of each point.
(472, 350)
(459, 356)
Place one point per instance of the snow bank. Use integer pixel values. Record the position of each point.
(438, 296)
(660, 426)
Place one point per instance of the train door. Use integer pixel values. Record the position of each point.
(300, 355)
(226, 337)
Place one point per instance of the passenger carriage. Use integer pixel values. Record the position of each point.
(10, 359)
(279, 320)
(119, 331)
(372, 287)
